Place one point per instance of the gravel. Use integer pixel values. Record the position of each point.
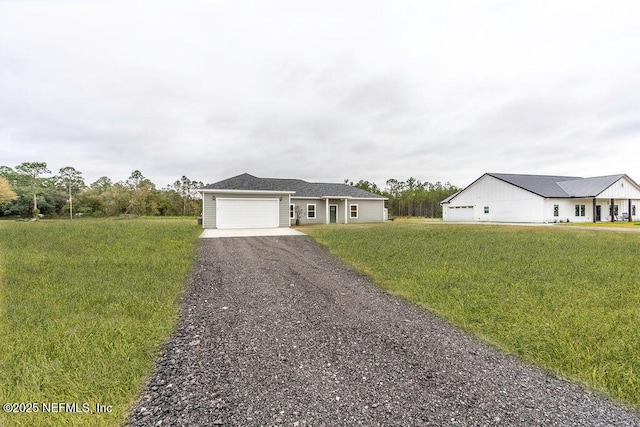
(275, 331)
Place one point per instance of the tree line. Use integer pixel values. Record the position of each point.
(411, 197)
(29, 190)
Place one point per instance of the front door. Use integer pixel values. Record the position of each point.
(333, 214)
(598, 213)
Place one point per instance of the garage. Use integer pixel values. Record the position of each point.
(247, 213)
(460, 213)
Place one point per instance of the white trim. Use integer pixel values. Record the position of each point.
(234, 220)
(357, 211)
(340, 198)
(315, 211)
(246, 192)
(346, 211)
(245, 198)
(326, 211)
(203, 217)
(329, 215)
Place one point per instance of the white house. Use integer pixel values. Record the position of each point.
(246, 201)
(543, 199)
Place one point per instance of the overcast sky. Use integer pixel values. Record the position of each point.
(321, 90)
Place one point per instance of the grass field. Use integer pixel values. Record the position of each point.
(565, 299)
(84, 306)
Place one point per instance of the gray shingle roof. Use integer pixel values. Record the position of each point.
(559, 186)
(302, 188)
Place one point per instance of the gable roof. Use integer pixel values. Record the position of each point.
(554, 186)
(247, 182)
(560, 186)
(542, 185)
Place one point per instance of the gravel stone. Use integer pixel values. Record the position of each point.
(275, 331)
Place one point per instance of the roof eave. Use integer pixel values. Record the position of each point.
(229, 191)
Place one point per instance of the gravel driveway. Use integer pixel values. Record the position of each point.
(276, 331)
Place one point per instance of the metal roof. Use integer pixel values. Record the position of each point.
(560, 186)
(555, 186)
(247, 182)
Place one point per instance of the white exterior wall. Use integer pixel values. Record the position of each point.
(506, 202)
(621, 189)
(567, 210)
(623, 207)
(621, 192)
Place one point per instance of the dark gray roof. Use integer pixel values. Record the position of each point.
(552, 186)
(589, 187)
(302, 188)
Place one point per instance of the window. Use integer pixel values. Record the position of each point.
(633, 210)
(353, 211)
(580, 210)
(613, 211)
(292, 211)
(486, 209)
(556, 210)
(311, 211)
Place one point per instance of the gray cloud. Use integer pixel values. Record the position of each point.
(321, 91)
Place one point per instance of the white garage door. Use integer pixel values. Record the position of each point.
(247, 213)
(460, 213)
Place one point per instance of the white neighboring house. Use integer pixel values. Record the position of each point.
(499, 197)
(246, 201)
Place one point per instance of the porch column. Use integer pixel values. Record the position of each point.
(613, 212)
(594, 210)
(326, 211)
(346, 211)
(629, 211)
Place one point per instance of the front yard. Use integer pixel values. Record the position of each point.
(565, 299)
(84, 308)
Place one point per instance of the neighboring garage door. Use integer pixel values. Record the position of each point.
(247, 213)
(460, 213)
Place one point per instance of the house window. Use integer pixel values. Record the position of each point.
(311, 211)
(633, 210)
(353, 211)
(486, 209)
(613, 211)
(580, 210)
(556, 210)
(292, 211)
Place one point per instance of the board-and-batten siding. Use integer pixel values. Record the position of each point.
(209, 206)
(567, 210)
(621, 189)
(506, 202)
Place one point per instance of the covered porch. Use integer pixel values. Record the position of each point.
(614, 210)
(337, 209)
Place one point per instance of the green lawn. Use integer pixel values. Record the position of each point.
(617, 224)
(84, 307)
(565, 299)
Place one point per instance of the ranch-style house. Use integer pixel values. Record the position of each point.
(246, 201)
(500, 197)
